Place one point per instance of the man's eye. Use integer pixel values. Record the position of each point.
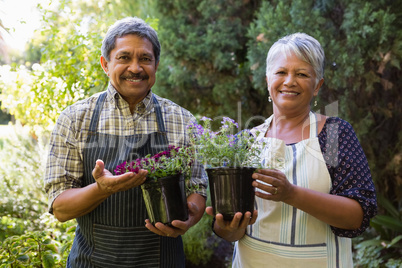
(303, 75)
(123, 58)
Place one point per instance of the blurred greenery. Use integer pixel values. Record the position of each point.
(212, 63)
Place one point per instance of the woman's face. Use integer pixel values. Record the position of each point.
(292, 83)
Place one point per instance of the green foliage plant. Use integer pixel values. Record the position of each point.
(22, 197)
(36, 249)
(69, 67)
(198, 246)
(381, 246)
(203, 58)
(223, 149)
(23, 205)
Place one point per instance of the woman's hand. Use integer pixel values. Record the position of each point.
(235, 229)
(337, 211)
(275, 185)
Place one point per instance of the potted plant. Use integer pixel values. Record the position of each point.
(164, 191)
(230, 160)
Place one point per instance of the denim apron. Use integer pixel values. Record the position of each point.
(284, 236)
(114, 234)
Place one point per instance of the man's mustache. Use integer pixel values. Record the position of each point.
(135, 76)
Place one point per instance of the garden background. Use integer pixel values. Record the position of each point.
(213, 64)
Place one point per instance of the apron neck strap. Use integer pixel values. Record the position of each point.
(159, 117)
(95, 117)
(313, 125)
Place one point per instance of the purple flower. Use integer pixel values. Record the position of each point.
(229, 122)
(204, 118)
(121, 169)
(232, 140)
(165, 163)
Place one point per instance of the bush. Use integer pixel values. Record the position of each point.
(23, 206)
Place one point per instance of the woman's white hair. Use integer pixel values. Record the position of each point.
(304, 47)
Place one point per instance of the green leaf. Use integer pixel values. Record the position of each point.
(47, 241)
(395, 240)
(48, 261)
(388, 206)
(23, 258)
(52, 247)
(388, 222)
(372, 242)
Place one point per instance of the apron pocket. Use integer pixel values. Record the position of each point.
(250, 251)
(122, 247)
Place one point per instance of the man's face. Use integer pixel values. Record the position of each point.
(131, 68)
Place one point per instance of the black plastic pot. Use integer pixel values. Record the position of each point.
(165, 199)
(231, 190)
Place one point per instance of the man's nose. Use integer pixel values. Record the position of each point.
(135, 66)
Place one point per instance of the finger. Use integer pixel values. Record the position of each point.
(220, 221)
(152, 228)
(263, 177)
(268, 171)
(209, 211)
(254, 217)
(267, 196)
(185, 225)
(235, 223)
(98, 170)
(266, 188)
(181, 225)
(246, 220)
(168, 231)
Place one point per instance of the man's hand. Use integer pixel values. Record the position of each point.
(76, 202)
(109, 184)
(196, 207)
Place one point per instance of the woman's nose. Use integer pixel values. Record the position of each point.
(289, 80)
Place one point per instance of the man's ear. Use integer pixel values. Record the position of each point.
(104, 64)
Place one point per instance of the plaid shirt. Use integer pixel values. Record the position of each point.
(64, 168)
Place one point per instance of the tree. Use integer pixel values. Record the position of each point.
(213, 63)
(69, 68)
(203, 60)
(214, 56)
(210, 62)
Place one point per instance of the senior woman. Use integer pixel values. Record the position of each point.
(318, 192)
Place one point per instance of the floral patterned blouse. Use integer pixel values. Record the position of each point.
(349, 170)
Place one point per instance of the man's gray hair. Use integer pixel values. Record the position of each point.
(304, 47)
(130, 25)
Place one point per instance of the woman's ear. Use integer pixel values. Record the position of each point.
(317, 88)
